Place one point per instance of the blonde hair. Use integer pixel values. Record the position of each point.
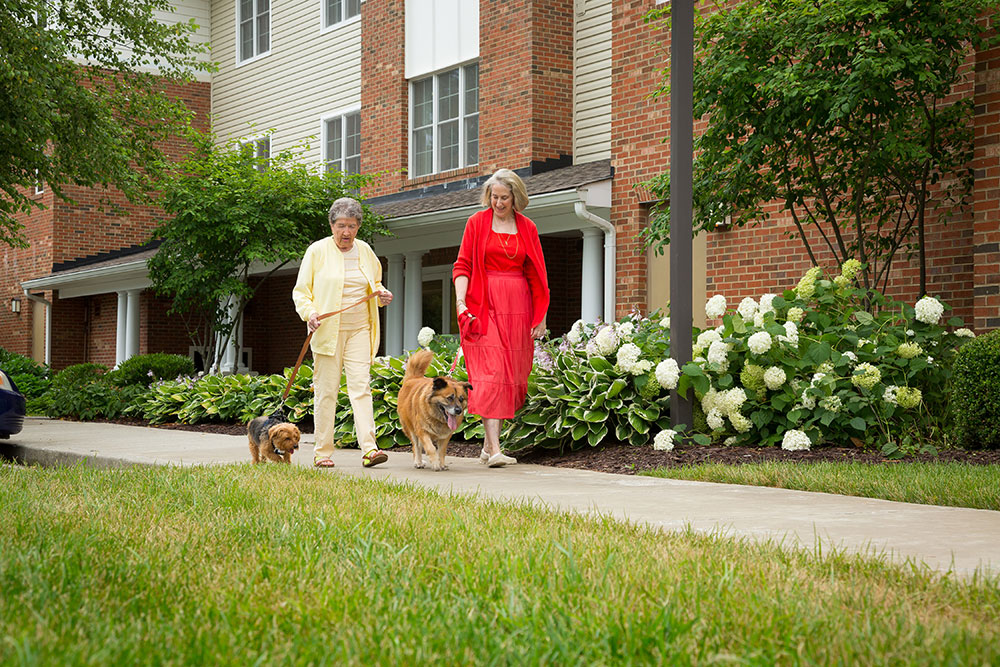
(512, 182)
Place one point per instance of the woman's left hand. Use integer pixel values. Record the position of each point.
(384, 297)
(538, 331)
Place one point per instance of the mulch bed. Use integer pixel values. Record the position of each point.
(626, 459)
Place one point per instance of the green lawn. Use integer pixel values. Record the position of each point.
(281, 565)
(951, 484)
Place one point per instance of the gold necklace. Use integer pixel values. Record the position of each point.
(503, 244)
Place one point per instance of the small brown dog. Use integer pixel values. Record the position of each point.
(272, 439)
(430, 410)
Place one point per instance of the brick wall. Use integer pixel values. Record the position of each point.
(986, 199)
(272, 327)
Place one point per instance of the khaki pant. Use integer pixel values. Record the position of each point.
(354, 358)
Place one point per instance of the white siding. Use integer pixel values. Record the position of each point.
(307, 75)
(440, 34)
(592, 81)
(201, 12)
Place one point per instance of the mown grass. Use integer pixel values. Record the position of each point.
(949, 484)
(279, 565)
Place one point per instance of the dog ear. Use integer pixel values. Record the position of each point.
(467, 385)
(439, 383)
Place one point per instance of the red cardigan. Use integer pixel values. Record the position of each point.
(471, 262)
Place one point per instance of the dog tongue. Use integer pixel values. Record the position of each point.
(452, 422)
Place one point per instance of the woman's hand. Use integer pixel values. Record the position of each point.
(538, 331)
(384, 297)
(313, 322)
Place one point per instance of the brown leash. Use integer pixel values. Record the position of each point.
(305, 346)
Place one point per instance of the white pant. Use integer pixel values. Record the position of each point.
(354, 357)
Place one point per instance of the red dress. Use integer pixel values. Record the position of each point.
(514, 289)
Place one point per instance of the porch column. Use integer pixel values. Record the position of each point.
(121, 328)
(413, 303)
(394, 311)
(591, 281)
(229, 363)
(132, 325)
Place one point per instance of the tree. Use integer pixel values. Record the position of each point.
(80, 103)
(841, 111)
(232, 214)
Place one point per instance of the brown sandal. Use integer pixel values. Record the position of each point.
(373, 458)
(324, 462)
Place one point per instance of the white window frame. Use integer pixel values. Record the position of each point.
(324, 124)
(440, 273)
(436, 121)
(39, 185)
(324, 23)
(256, 140)
(240, 61)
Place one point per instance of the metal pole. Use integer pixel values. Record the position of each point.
(681, 198)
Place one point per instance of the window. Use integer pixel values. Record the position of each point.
(338, 11)
(259, 150)
(39, 184)
(342, 143)
(444, 121)
(253, 18)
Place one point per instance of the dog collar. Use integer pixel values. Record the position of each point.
(278, 451)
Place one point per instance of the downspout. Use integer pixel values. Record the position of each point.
(580, 208)
(48, 323)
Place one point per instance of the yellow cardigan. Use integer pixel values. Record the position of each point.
(320, 288)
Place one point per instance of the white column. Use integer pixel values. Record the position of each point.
(394, 311)
(591, 280)
(120, 343)
(132, 326)
(413, 303)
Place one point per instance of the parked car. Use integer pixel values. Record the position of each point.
(11, 407)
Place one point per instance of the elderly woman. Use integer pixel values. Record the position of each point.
(337, 271)
(502, 295)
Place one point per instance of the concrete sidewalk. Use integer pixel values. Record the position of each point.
(945, 538)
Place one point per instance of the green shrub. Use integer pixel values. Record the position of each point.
(975, 395)
(144, 369)
(17, 364)
(85, 391)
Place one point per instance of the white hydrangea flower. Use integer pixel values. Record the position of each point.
(664, 440)
(929, 310)
(774, 377)
(731, 400)
(739, 422)
(747, 309)
(708, 400)
(606, 341)
(625, 330)
(889, 395)
(930, 360)
(791, 333)
(715, 307)
(826, 367)
(668, 373)
(841, 282)
(628, 354)
(715, 420)
(850, 268)
(731, 440)
(795, 440)
(758, 319)
(831, 403)
(641, 367)
(864, 341)
(911, 332)
(760, 342)
(705, 338)
(425, 336)
(908, 397)
(766, 303)
(909, 350)
(808, 402)
(964, 333)
(866, 376)
(717, 353)
(853, 357)
(795, 314)
(665, 322)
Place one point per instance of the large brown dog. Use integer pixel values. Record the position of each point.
(430, 410)
(272, 439)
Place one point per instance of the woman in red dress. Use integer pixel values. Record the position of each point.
(502, 295)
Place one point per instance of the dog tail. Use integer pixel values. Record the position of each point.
(416, 365)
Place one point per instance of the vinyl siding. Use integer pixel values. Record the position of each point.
(201, 12)
(308, 74)
(592, 81)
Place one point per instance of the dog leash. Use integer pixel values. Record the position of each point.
(305, 345)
